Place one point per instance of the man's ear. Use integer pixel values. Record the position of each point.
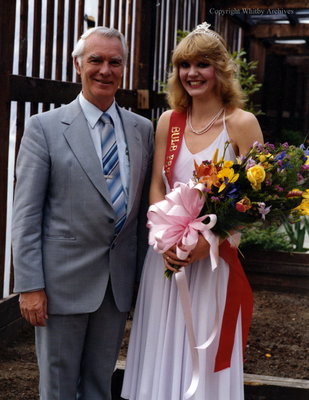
(77, 66)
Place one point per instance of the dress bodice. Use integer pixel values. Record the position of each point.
(184, 165)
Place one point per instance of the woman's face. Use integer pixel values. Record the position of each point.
(197, 77)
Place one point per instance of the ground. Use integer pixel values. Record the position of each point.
(278, 345)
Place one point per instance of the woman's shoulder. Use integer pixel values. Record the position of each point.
(243, 129)
(240, 117)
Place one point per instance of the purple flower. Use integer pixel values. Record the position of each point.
(279, 188)
(263, 210)
(250, 163)
(214, 198)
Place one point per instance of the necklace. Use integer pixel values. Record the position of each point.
(208, 126)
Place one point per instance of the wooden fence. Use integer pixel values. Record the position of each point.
(37, 38)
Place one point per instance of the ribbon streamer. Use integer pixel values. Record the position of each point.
(185, 301)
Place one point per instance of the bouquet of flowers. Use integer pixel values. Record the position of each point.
(265, 184)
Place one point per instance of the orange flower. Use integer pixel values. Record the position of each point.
(243, 205)
(207, 174)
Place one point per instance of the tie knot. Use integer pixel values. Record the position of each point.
(106, 119)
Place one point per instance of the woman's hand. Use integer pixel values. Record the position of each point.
(200, 251)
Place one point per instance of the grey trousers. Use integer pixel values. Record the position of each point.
(77, 353)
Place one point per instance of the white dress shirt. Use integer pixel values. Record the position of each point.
(92, 115)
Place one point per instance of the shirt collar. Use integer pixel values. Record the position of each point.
(93, 113)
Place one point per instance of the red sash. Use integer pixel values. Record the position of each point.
(239, 294)
(174, 139)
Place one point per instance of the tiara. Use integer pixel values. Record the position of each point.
(204, 28)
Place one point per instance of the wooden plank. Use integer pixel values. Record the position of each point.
(129, 36)
(116, 15)
(7, 30)
(259, 5)
(36, 46)
(23, 39)
(59, 44)
(279, 30)
(44, 90)
(107, 20)
(100, 12)
(49, 36)
(70, 40)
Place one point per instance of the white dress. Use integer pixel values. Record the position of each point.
(159, 365)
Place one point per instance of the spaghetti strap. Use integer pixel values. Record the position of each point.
(224, 126)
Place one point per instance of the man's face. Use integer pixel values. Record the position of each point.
(101, 69)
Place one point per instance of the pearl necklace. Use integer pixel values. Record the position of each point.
(208, 126)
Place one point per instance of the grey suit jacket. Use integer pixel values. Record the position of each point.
(63, 219)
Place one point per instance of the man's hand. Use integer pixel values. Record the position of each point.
(33, 307)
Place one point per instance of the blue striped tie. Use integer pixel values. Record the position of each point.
(111, 170)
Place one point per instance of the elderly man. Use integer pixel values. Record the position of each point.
(80, 205)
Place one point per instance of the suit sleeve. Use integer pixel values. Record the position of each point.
(32, 173)
(142, 236)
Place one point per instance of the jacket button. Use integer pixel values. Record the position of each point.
(111, 220)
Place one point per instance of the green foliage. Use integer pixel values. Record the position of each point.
(292, 137)
(296, 232)
(267, 238)
(247, 79)
(181, 35)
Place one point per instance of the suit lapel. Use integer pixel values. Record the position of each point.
(79, 139)
(134, 146)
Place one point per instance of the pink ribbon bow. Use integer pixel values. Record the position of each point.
(175, 220)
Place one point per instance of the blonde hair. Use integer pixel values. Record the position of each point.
(211, 48)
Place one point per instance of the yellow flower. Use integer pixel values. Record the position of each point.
(256, 175)
(307, 161)
(262, 158)
(306, 194)
(303, 208)
(215, 157)
(227, 164)
(227, 173)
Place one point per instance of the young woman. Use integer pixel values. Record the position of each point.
(204, 90)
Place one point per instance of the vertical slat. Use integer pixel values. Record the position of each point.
(116, 15)
(202, 11)
(80, 24)
(49, 44)
(129, 35)
(100, 12)
(59, 42)
(143, 57)
(7, 30)
(107, 13)
(172, 23)
(59, 45)
(49, 39)
(22, 67)
(123, 29)
(81, 13)
(123, 16)
(157, 46)
(70, 39)
(36, 46)
(23, 42)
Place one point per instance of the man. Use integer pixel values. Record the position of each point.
(75, 246)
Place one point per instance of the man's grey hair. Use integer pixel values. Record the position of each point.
(99, 30)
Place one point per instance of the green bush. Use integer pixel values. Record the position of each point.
(268, 238)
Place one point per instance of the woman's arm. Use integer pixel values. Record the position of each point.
(157, 186)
